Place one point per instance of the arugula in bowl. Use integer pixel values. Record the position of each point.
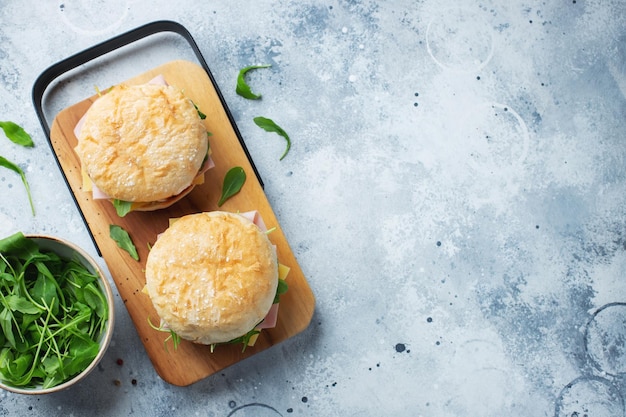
(56, 314)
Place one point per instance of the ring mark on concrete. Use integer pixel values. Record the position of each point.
(498, 137)
(459, 40)
(87, 17)
(605, 339)
(589, 396)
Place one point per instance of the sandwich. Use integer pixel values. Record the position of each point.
(214, 278)
(143, 147)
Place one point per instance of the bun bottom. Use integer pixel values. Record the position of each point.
(159, 205)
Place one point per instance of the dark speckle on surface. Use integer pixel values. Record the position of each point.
(401, 347)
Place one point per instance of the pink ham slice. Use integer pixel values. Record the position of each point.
(270, 319)
(255, 217)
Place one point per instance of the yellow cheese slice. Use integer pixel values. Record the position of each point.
(253, 339)
(283, 271)
(86, 180)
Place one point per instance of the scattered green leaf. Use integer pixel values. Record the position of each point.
(17, 134)
(173, 336)
(123, 240)
(243, 89)
(10, 165)
(233, 181)
(200, 114)
(269, 126)
(52, 315)
(243, 340)
(280, 290)
(122, 207)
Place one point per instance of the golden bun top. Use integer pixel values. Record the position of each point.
(212, 276)
(142, 143)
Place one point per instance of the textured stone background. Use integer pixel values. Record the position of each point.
(455, 195)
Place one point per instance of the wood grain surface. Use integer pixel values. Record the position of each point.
(190, 362)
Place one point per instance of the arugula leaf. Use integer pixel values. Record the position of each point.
(10, 165)
(123, 240)
(17, 134)
(82, 352)
(200, 114)
(233, 181)
(44, 291)
(17, 244)
(21, 304)
(174, 337)
(243, 89)
(122, 207)
(95, 300)
(6, 324)
(243, 339)
(280, 290)
(269, 126)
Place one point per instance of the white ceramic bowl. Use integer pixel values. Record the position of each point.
(68, 250)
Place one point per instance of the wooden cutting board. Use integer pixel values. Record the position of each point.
(190, 362)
